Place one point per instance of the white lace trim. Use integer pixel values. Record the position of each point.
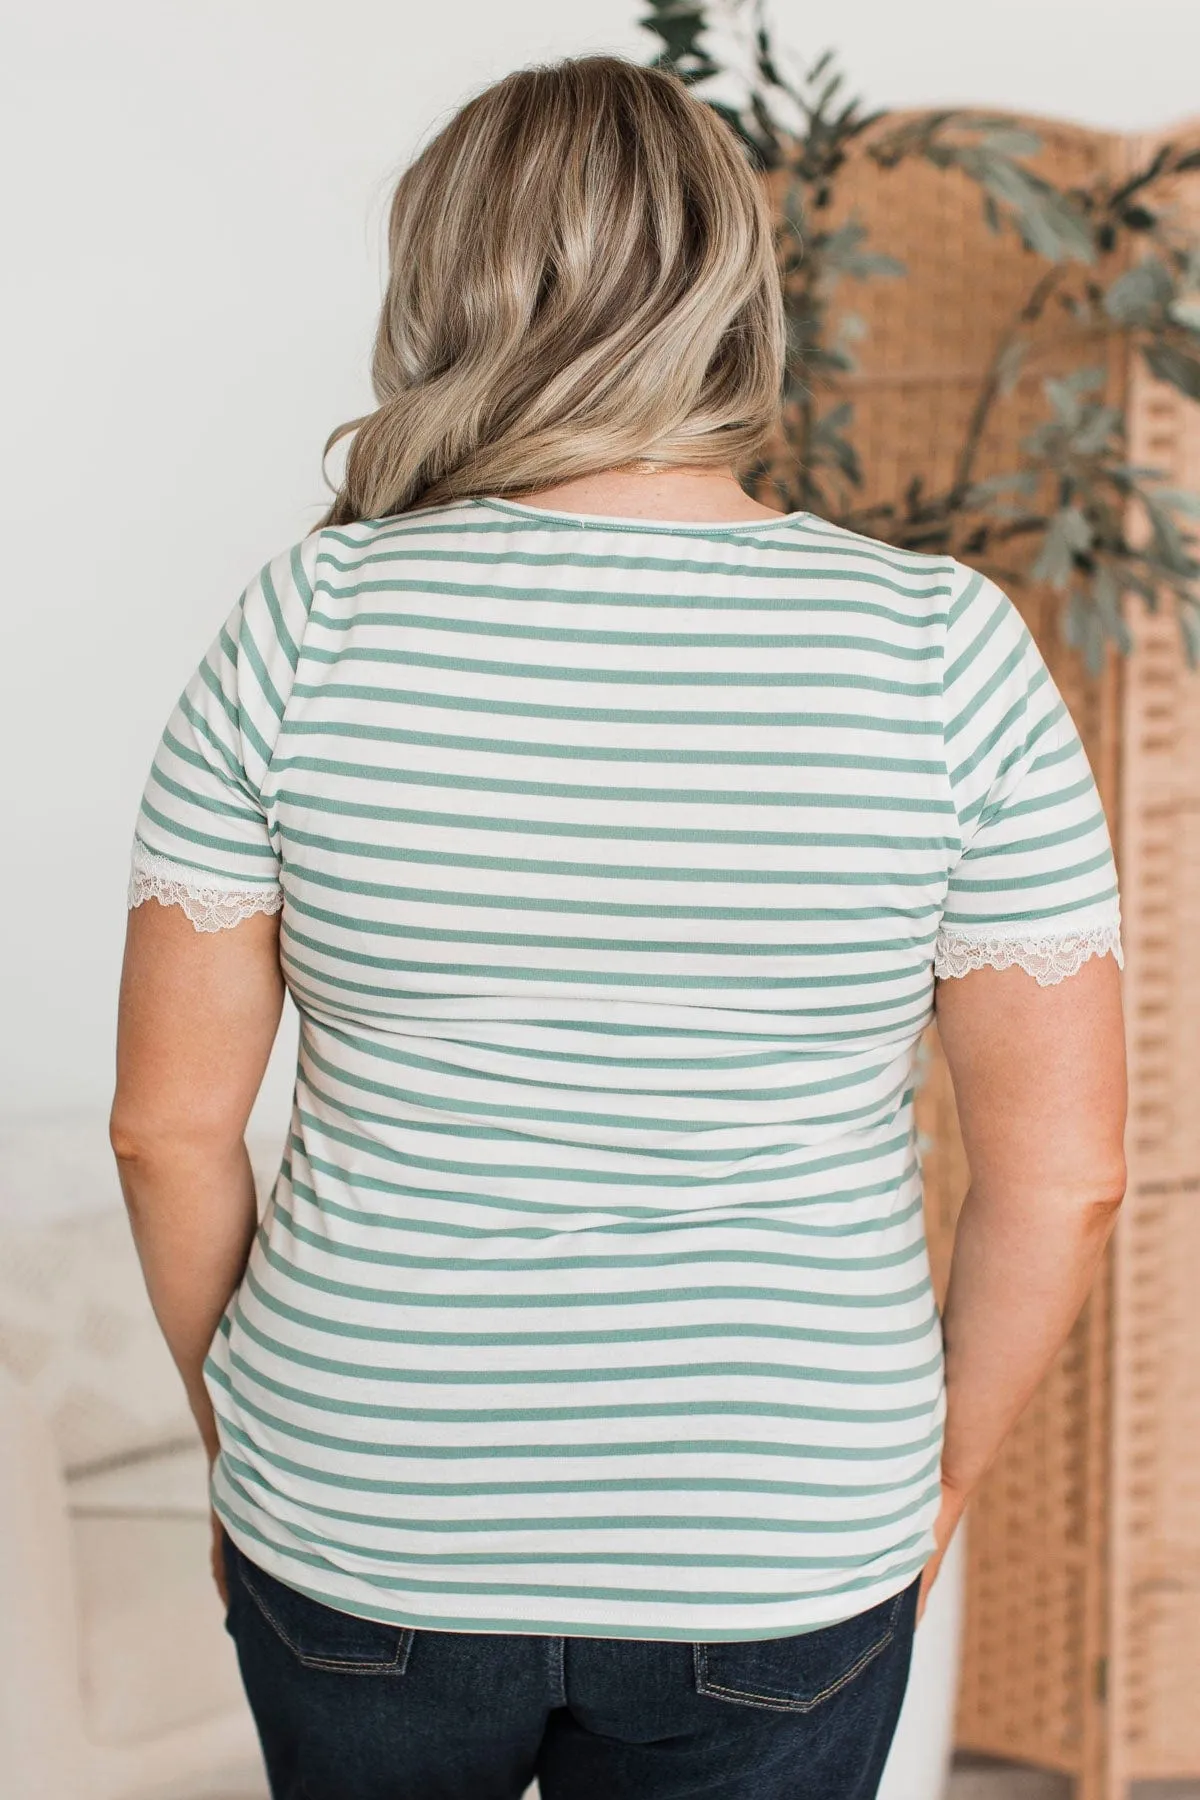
(1048, 959)
(209, 905)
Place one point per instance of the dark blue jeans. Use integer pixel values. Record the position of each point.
(349, 1709)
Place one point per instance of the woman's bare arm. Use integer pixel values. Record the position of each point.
(1040, 1081)
(197, 1017)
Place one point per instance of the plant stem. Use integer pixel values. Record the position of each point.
(990, 388)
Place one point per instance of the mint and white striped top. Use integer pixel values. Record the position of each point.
(616, 860)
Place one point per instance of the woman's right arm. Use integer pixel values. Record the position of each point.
(1040, 1082)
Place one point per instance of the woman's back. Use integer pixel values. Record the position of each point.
(611, 863)
(616, 861)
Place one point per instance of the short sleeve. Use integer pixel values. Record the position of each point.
(203, 839)
(1034, 883)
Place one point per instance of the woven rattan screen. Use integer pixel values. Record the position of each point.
(1154, 1650)
(1083, 1616)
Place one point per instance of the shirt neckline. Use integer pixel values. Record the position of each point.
(615, 522)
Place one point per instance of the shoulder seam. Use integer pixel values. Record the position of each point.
(296, 553)
(956, 593)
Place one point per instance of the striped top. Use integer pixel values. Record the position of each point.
(616, 860)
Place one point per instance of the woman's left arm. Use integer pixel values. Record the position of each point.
(198, 1014)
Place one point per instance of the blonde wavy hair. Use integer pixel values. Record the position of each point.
(582, 276)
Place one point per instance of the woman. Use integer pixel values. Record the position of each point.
(616, 837)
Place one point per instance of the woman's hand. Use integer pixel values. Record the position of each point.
(954, 1502)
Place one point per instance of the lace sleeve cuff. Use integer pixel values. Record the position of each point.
(211, 903)
(1049, 956)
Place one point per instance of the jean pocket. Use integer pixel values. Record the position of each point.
(320, 1636)
(799, 1672)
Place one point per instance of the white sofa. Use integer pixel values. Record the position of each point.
(117, 1679)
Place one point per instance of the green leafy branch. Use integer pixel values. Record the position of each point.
(1075, 512)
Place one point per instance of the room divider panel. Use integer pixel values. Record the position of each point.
(1083, 1613)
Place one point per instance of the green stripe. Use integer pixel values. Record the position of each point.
(658, 979)
(657, 678)
(281, 635)
(386, 1053)
(362, 1409)
(531, 1300)
(581, 791)
(445, 1586)
(807, 758)
(465, 1265)
(402, 853)
(605, 1176)
(415, 1221)
(796, 598)
(613, 715)
(1011, 884)
(469, 625)
(493, 1338)
(203, 840)
(811, 915)
(617, 833)
(554, 1450)
(526, 940)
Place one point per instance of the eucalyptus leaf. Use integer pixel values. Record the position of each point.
(794, 209)
(1074, 618)
(1023, 481)
(1098, 426)
(1068, 533)
(1168, 545)
(1106, 592)
(1011, 140)
(1180, 500)
(1064, 397)
(1140, 584)
(1084, 630)
(1138, 296)
(680, 24)
(837, 419)
(1137, 472)
(1094, 643)
(1010, 363)
(1185, 313)
(1175, 366)
(1189, 624)
(1047, 220)
(1085, 381)
(765, 60)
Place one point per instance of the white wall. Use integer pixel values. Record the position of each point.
(1114, 63)
(192, 234)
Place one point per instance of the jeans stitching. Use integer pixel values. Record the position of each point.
(558, 1669)
(779, 1702)
(341, 1666)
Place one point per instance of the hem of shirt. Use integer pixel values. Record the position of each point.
(1067, 922)
(530, 1621)
(196, 876)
